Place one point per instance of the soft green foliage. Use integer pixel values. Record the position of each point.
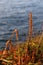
(30, 63)
(10, 57)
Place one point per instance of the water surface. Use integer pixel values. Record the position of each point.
(15, 14)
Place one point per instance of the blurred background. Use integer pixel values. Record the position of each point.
(15, 14)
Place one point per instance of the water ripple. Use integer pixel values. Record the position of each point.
(14, 14)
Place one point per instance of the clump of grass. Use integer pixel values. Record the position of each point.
(26, 54)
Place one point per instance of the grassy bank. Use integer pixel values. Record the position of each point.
(26, 53)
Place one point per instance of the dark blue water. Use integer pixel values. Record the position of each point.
(15, 14)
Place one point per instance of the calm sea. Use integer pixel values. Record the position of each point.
(15, 14)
